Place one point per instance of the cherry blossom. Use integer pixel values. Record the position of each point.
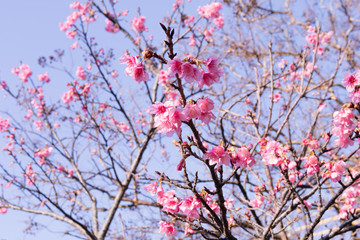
(218, 156)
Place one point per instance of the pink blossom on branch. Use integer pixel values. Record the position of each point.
(44, 77)
(4, 124)
(110, 26)
(80, 73)
(242, 158)
(213, 74)
(23, 72)
(3, 209)
(218, 156)
(351, 80)
(167, 228)
(134, 68)
(210, 10)
(138, 24)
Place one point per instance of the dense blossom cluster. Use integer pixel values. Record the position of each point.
(190, 73)
(4, 124)
(168, 117)
(190, 206)
(23, 72)
(316, 39)
(343, 125)
(211, 11)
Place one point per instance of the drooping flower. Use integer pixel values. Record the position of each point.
(218, 156)
(134, 68)
(138, 24)
(167, 228)
(242, 158)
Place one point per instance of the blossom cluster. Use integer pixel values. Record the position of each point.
(80, 11)
(211, 11)
(168, 118)
(134, 68)
(189, 206)
(343, 125)
(190, 73)
(314, 38)
(23, 72)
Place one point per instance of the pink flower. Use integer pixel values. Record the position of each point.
(192, 111)
(218, 156)
(80, 73)
(3, 209)
(213, 74)
(343, 126)
(3, 85)
(326, 37)
(71, 34)
(60, 168)
(30, 175)
(71, 173)
(181, 165)
(205, 105)
(189, 72)
(192, 41)
(210, 10)
(138, 24)
(45, 152)
(307, 205)
(335, 171)
(242, 158)
(257, 202)
(219, 22)
(110, 26)
(44, 77)
(75, 5)
(313, 144)
(69, 95)
(292, 165)
(205, 118)
(282, 63)
(134, 69)
(311, 165)
(151, 188)
(169, 202)
(163, 77)
(38, 124)
(158, 108)
(351, 80)
(229, 203)
(355, 96)
(189, 207)
(273, 153)
(4, 124)
(23, 72)
(170, 121)
(174, 67)
(276, 97)
(167, 228)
